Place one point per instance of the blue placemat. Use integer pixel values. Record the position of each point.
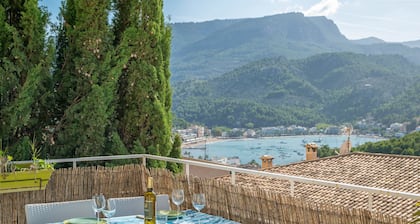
(191, 216)
(187, 217)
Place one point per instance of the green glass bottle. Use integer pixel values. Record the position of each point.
(149, 203)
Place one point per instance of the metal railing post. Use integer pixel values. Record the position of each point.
(233, 177)
(144, 160)
(74, 164)
(370, 199)
(187, 172)
(292, 188)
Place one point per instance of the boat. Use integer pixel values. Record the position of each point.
(319, 140)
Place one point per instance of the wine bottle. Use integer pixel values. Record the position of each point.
(149, 203)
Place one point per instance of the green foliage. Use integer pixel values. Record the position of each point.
(42, 164)
(114, 145)
(249, 125)
(138, 147)
(416, 215)
(106, 93)
(322, 126)
(145, 124)
(325, 151)
(403, 107)
(4, 155)
(6, 164)
(175, 152)
(37, 162)
(179, 123)
(328, 88)
(217, 131)
(407, 145)
(25, 86)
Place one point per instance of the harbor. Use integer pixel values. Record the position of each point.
(284, 149)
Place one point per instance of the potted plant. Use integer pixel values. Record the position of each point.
(24, 177)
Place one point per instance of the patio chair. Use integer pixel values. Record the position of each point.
(162, 202)
(128, 205)
(135, 205)
(42, 213)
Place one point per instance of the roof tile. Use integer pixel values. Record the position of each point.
(394, 172)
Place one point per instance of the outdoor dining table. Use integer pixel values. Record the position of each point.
(188, 217)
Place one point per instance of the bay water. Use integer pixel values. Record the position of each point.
(284, 149)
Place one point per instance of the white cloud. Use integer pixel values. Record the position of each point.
(323, 8)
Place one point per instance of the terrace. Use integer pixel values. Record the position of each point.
(227, 196)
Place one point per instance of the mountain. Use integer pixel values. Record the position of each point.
(329, 87)
(414, 43)
(368, 41)
(208, 49)
(201, 50)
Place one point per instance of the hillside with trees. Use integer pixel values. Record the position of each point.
(325, 88)
(403, 107)
(407, 145)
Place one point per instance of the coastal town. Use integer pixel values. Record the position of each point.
(198, 134)
(198, 138)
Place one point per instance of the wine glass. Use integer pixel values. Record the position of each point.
(177, 199)
(98, 204)
(109, 210)
(199, 201)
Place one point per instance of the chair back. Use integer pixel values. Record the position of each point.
(128, 205)
(162, 202)
(42, 213)
(135, 205)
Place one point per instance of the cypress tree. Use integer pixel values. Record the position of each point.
(84, 80)
(144, 108)
(25, 57)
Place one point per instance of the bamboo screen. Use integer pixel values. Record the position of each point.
(233, 202)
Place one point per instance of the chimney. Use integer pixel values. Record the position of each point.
(345, 147)
(267, 161)
(311, 151)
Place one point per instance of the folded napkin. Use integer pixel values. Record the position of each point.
(83, 221)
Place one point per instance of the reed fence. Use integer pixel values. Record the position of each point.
(234, 202)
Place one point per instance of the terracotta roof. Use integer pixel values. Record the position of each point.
(400, 173)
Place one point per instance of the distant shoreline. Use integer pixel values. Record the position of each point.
(200, 142)
(203, 141)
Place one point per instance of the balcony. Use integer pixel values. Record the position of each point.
(224, 198)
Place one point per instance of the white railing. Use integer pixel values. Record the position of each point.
(234, 170)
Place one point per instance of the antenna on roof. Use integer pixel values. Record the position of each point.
(346, 146)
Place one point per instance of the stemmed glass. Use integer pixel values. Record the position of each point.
(98, 204)
(109, 210)
(177, 199)
(199, 201)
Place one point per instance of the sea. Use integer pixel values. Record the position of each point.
(284, 149)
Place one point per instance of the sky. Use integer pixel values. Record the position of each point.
(389, 20)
